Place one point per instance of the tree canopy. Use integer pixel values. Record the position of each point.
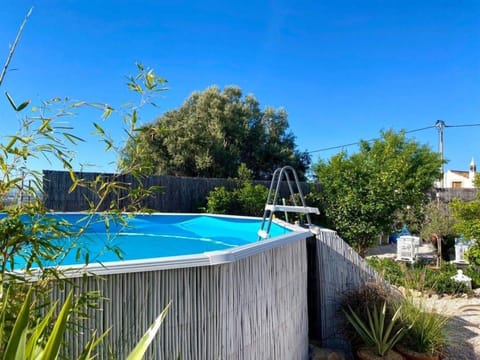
(362, 193)
(467, 214)
(212, 133)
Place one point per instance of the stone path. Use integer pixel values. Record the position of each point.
(464, 329)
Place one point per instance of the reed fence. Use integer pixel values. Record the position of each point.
(334, 269)
(254, 308)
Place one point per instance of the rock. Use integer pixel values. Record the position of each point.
(317, 353)
(416, 293)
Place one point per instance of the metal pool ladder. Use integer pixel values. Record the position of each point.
(271, 205)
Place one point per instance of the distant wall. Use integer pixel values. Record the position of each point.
(448, 194)
(180, 194)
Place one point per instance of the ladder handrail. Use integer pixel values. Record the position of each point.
(277, 176)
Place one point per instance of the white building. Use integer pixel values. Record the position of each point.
(460, 179)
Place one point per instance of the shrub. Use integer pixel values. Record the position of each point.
(252, 199)
(392, 271)
(367, 299)
(474, 274)
(245, 199)
(425, 330)
(221, 201)
(473, 254)
(421, 277)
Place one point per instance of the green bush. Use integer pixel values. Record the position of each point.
(221, 201)
(252, 199)
(245, 199)
(392, 271)
(425, 330)
(473, 254)
(422, 277)
(474, 274)
(30, 326)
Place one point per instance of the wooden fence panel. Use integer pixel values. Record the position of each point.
(180, 194)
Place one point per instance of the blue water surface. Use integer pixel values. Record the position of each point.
(157, 235)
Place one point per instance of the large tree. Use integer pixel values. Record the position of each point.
(215, 131)
(361, 193)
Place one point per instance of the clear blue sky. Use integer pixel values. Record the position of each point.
(343, 70)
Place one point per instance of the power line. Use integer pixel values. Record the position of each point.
(465, 125)
(406, 132)
(358, 142)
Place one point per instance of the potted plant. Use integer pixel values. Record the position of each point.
(378, 333)
(426, 333)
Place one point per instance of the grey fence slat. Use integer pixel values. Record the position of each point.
(180, 194)
(339, 269)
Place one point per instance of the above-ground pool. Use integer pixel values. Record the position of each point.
(233, 296)
(166, 240)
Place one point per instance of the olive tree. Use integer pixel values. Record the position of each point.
(212, 133)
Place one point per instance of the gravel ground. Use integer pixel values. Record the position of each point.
(464, 328)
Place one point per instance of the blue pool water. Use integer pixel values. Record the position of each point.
(158, 235)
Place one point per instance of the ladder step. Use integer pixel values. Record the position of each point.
(290, 208)
(263, 234)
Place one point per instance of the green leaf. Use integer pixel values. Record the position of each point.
(20, 351)
(12, 142)
(23, 105)
(20, 326)
(10, 100)
(38, 332)
(99, 128)
(142, 346)
(92, 344)
(72, 138)
(108, 111)
(52, 346)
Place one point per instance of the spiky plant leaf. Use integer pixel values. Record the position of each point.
(139, 350)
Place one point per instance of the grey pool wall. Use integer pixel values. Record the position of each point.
(246, 303)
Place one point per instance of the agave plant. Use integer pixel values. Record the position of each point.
(378, 334)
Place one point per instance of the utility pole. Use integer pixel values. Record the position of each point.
(440, 125)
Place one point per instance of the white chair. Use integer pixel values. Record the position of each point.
(407, 248)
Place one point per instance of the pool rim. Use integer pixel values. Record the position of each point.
(208, 258)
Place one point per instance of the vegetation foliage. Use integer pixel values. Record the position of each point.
(212, 133)
(422, 277)
(382, 318)
(468, 223)
(30, 327)
(378, 333)
(244, 199)
(362, 192)
(426, 331)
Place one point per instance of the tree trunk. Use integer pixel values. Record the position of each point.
(439, 251)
